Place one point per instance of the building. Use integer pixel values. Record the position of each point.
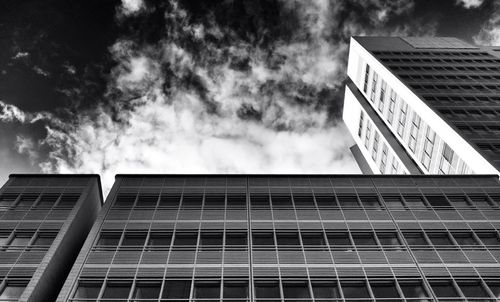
(44, 220)
(424, 105)
(293, 238)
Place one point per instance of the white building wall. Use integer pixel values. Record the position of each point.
(465, 159)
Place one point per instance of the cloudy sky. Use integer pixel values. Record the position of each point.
(144, 86)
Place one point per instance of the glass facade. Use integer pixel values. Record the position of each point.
(293, 238)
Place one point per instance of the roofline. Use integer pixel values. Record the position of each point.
(313, 175)
(41, 175)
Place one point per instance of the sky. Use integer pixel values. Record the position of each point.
(143, 86)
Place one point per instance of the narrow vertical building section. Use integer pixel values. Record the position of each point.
(44, 221)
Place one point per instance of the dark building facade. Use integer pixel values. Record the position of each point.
(293, 238)
(424, 105)
(44, 220)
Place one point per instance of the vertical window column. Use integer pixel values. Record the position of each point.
(374, 87)
(367, 75)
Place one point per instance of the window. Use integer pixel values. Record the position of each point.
(21, 239)
(384, 290)
(286, 239)
(147, 200)
(412, 289)
(12, 290)
(392, 104)
(415, 201)
(325, 290)
(368, 134)
(295, 290)
(444, 289)
(394, 165)
(238, 239)
(44, 239)
(236, 201)
(303, 201)
(313, 239)
(281, 201)
(109, 239)
(369, 201)
(235, 290)
(348, 201)
(215, 201)
(465, 238)
(374, 87)
(88, 290)
(388, 239)
(415, 238)
(325, 201)
(259, 201)
(192, 201)
(383, 87)
(361, 122)
(495, 288)
(446, 159)
(47, 200)
(414, 129)
(472, 289)
(170, 200)
(207, 290)
(363, 239)
(185, 239)
(147, 290)
(437, 200)
(7, 200)
(383, 159)
(402, 119)
(134, 239)
(355, 290)
(267, 289)
(489, 238)
(262, 239)
(430, 137)
(393, 201)
(211, 239)
(117, 290)
(375, 146)
(367, 75)
(338, 239)
(160, 239)
(176, 289)
(459, 201)
(27, 200)
(440, 239)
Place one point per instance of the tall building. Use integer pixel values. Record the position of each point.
(44, 220)
(424, 105)
(293, 238)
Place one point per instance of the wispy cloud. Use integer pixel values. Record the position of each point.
(205, 100)
(470, 3)
(490, 32)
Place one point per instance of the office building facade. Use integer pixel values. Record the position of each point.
(424, 105)
(292, 238)
(44, 220)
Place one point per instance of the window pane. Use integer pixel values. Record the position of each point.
(440, 239)
(215, 201)
(134, 239)
(267, 290)
(12, 291)
(303, 201)
(160, 239)
(393, 201)
(388, 239)
(355, 290)
(325, 201)
(415, 238)
(21, 239)
(413, 290)
(192, 201)
(288, 238)
(116, 290)
(259, 201)
(236, 201)
(444, 289)
(495, 288)
(210, 239)
(236, 239)
(385, 290)
(147, 290)
(109, 239)
(313, 239)
(472, 289)
(176, 289)
(465, 239)
(170, 200)
(336, 239)
(369, 201)
(44, 239)
(489, 238)
(363, 239)
(47, 200)
(281, 200)
(348, 201)
(207, 290)
(235, 290)
(262, 239)
(186, 239)
(147, 200)
(295, 290)
(437, 201)
(325, 290)
(88, 290)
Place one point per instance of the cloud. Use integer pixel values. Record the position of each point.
(131, 7)
(206, 99)
(470, 3)
(490, 32)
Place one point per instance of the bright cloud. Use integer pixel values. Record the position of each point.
(490, 32)
(130, 7)
(470, 3)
